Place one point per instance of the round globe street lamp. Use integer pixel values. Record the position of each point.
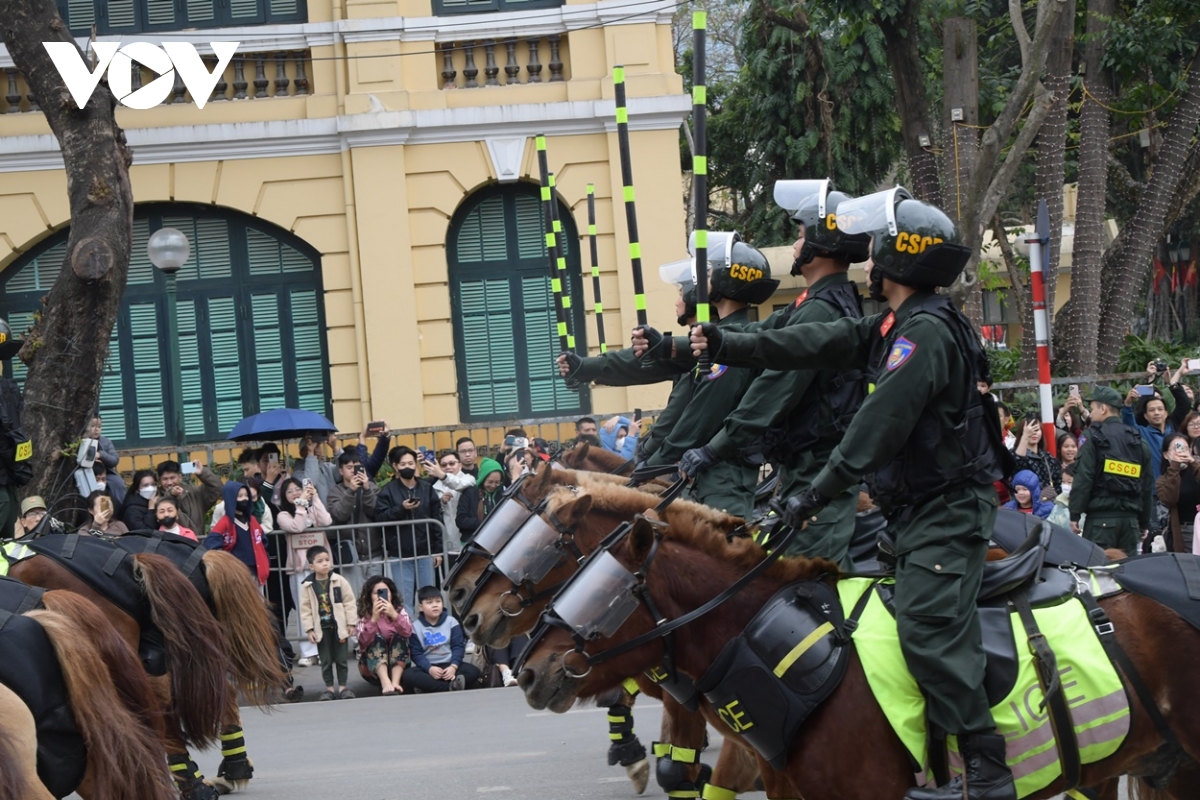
(168, 250)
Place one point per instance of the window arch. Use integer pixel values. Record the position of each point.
(503, 309)
(251, 325)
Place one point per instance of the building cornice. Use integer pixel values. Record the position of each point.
(281, 138)
(459, 27)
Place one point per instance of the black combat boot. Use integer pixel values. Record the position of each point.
(985, 771)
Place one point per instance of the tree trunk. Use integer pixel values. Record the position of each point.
(1051, 169)
(1127, 262)
(68, 345)
(1077, 327)
(912, 100)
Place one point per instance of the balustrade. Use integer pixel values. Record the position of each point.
(525, 61)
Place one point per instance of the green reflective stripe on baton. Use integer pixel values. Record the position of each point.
(595, 252)
(635, 249)
(565, 338)
(700, 175)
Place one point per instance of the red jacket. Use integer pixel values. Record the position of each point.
(228, 533)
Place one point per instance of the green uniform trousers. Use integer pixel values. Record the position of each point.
(10, 507)
(727, 486)
(828, 534)
(943, 548)
(1114, 530)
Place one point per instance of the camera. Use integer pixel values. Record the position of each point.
(1161, 367)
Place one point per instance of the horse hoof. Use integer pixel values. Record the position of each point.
(639, 774)
(199, 790)
(236, 771)
(222, 786)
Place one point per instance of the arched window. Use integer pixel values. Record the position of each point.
(251, 325)
(504, 318)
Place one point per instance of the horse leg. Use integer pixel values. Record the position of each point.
(185, 772)
(18, 751)
(679, 772)
(737, 771)
(625, 749)
(236, 768)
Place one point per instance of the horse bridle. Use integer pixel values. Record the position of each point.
(663, 628)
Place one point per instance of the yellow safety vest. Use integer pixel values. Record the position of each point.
(11, 553)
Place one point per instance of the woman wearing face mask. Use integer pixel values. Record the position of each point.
(239, 533)
(1179, 491)
(138, 511)
(167, 514)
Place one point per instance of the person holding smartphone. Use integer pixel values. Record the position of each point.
(1178, 490)
(382, 633)
(103, 521)
(1031, 455)
(419, 546)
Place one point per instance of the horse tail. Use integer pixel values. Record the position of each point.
(18, 780)
(127, 766)
(249, 633)
(195, 648)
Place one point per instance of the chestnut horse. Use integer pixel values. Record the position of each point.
(499, 613)
(111, 701)
(825, 759)
(195, 689)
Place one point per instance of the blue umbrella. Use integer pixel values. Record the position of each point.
(281, 423)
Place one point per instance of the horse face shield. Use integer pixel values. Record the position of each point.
(531, 552)
(599, 600)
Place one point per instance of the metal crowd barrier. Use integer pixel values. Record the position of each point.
(359, 551)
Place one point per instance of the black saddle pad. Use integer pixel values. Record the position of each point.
(1012, 528)
(102, 565)
(29, 666)
(1172, 579)
(182, 552)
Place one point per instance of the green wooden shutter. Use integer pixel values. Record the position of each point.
(40, 273)
(20, 322)
(209, 258)
(119, 15)
(482, 236)
(112, 391)
(147, 370)
(160, 13)
(268, 361)
(531, 230)
(226, 374)
(489, 352)
(308, 364)
(141, 271)
(242, 12)
(200, 12)
(547, 391)
(81, 14)
(191, 379)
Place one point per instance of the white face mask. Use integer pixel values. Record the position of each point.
(148, 491)
(1066, 490)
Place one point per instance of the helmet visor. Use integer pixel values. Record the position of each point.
(875, 213)
(790, 194)
(678, 272)
(720, 245)
(531, 553)
(599, 599)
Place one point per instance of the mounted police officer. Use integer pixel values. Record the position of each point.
(1114, 484)
(15, 450)
(931, 448)
(738, 276)
(795, 418)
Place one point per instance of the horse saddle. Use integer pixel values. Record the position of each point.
(108, 570)
(180, 551)
(30, 668)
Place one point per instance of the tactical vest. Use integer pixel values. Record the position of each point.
(1118, 459)
(792, 655)
(839, 392)
(915, 476)
(11, 553)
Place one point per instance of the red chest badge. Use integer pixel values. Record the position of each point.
(887, 324)
(803, 296)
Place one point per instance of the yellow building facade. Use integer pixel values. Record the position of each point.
(361, 196)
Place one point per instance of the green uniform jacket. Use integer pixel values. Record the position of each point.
(775, 393)
(709, 401)
(924, 371)
(1087, 497)
(623, 368)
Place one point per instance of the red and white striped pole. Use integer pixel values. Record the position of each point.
(1038, 256)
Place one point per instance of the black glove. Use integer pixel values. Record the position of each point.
(658, 345)
(802, 508)
(716, 339)
(695, 460)
(574, 362)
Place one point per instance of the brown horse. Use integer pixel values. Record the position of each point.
(195, 689)
(111, 701)
(825, 758)
(499, 613)
(584, 456)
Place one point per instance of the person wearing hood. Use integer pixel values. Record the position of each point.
(479, 500)
(239, 533)
(1027, 495)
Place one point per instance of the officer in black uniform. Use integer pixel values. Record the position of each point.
(795, 418)
(1114, 483)
(10, 420)
(931, 448)
(739, 275)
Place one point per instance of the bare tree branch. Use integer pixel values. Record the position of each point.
(1017, 295)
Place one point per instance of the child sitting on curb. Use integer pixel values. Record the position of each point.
(438, 648)
(383, 630)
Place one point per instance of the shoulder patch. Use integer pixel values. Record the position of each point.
(886, 325)
(901, 351)
(716, 371)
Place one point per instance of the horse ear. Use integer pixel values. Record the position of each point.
(581, 451)
(572, 511)
(641, 538)
(540, 479)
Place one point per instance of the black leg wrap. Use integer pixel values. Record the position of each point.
(235, 766)
(625, 748)
(671, 771)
